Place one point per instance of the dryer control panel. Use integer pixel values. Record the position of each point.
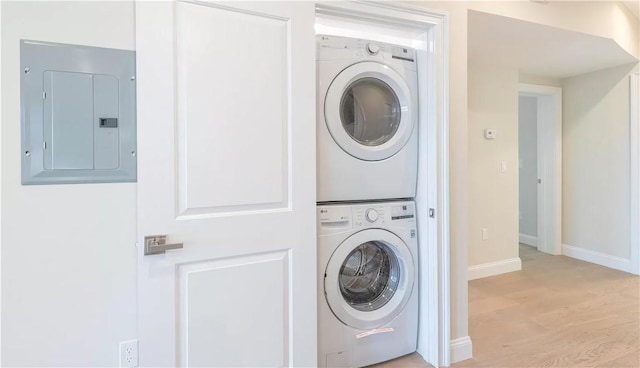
(335, 47)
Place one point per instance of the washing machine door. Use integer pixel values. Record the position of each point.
(369, 111)
(369, 279)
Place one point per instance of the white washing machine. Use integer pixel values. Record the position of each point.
(367, 284)
(367, 120)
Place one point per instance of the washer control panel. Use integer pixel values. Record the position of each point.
(375, 214)
(338, 217)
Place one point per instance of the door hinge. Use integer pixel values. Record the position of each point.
(432, 213)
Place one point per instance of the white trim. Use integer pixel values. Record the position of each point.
(461, 349)
(1, 190)
(634, 161)
(549, 127)
(494, 268)
(602, 259)
(529, 240)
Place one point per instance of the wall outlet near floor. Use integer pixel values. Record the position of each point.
(485, 234)
(129, 353)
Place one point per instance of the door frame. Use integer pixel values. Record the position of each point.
(634, 161)
(427, 31)
(549, 157)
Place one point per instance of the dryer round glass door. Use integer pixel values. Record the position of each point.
(369, 111)
(369, 278)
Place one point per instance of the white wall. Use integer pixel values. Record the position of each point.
(528, 162)
(68, 251)
(493, 194)
(608, 19)
(596, 161)
(541, 80)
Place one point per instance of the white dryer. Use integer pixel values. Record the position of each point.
(367, 120)
(367, 284)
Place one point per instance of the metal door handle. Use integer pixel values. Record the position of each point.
(157, 244)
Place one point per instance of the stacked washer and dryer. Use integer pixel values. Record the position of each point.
(367, 173)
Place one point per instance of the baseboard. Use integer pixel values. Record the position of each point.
(529, 240)
(494, 268)
(602, 259)
(460, 349)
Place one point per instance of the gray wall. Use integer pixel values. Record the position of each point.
(527, 151)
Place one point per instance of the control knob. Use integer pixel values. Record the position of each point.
(372, 48)
(371, 215)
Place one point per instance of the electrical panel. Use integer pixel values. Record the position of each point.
(78, 114)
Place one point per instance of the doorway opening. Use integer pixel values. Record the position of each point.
(528, 170)
(540, 163)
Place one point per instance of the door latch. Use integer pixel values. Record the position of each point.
(157, 244)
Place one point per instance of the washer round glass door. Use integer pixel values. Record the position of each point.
(368, 111)
(369, 279)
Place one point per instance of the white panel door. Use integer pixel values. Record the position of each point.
(226, 139)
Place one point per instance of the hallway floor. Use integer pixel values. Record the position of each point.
(556, 312)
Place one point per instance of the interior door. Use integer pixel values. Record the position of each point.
(226, 119)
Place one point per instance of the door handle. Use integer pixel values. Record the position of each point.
(157, 244)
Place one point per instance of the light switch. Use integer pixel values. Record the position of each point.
(503, 166)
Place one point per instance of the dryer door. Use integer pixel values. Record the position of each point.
(369, 111)
(369, 279)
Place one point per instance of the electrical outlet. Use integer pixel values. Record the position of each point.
(129, 353)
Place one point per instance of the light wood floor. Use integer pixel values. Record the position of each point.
(556, 312)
